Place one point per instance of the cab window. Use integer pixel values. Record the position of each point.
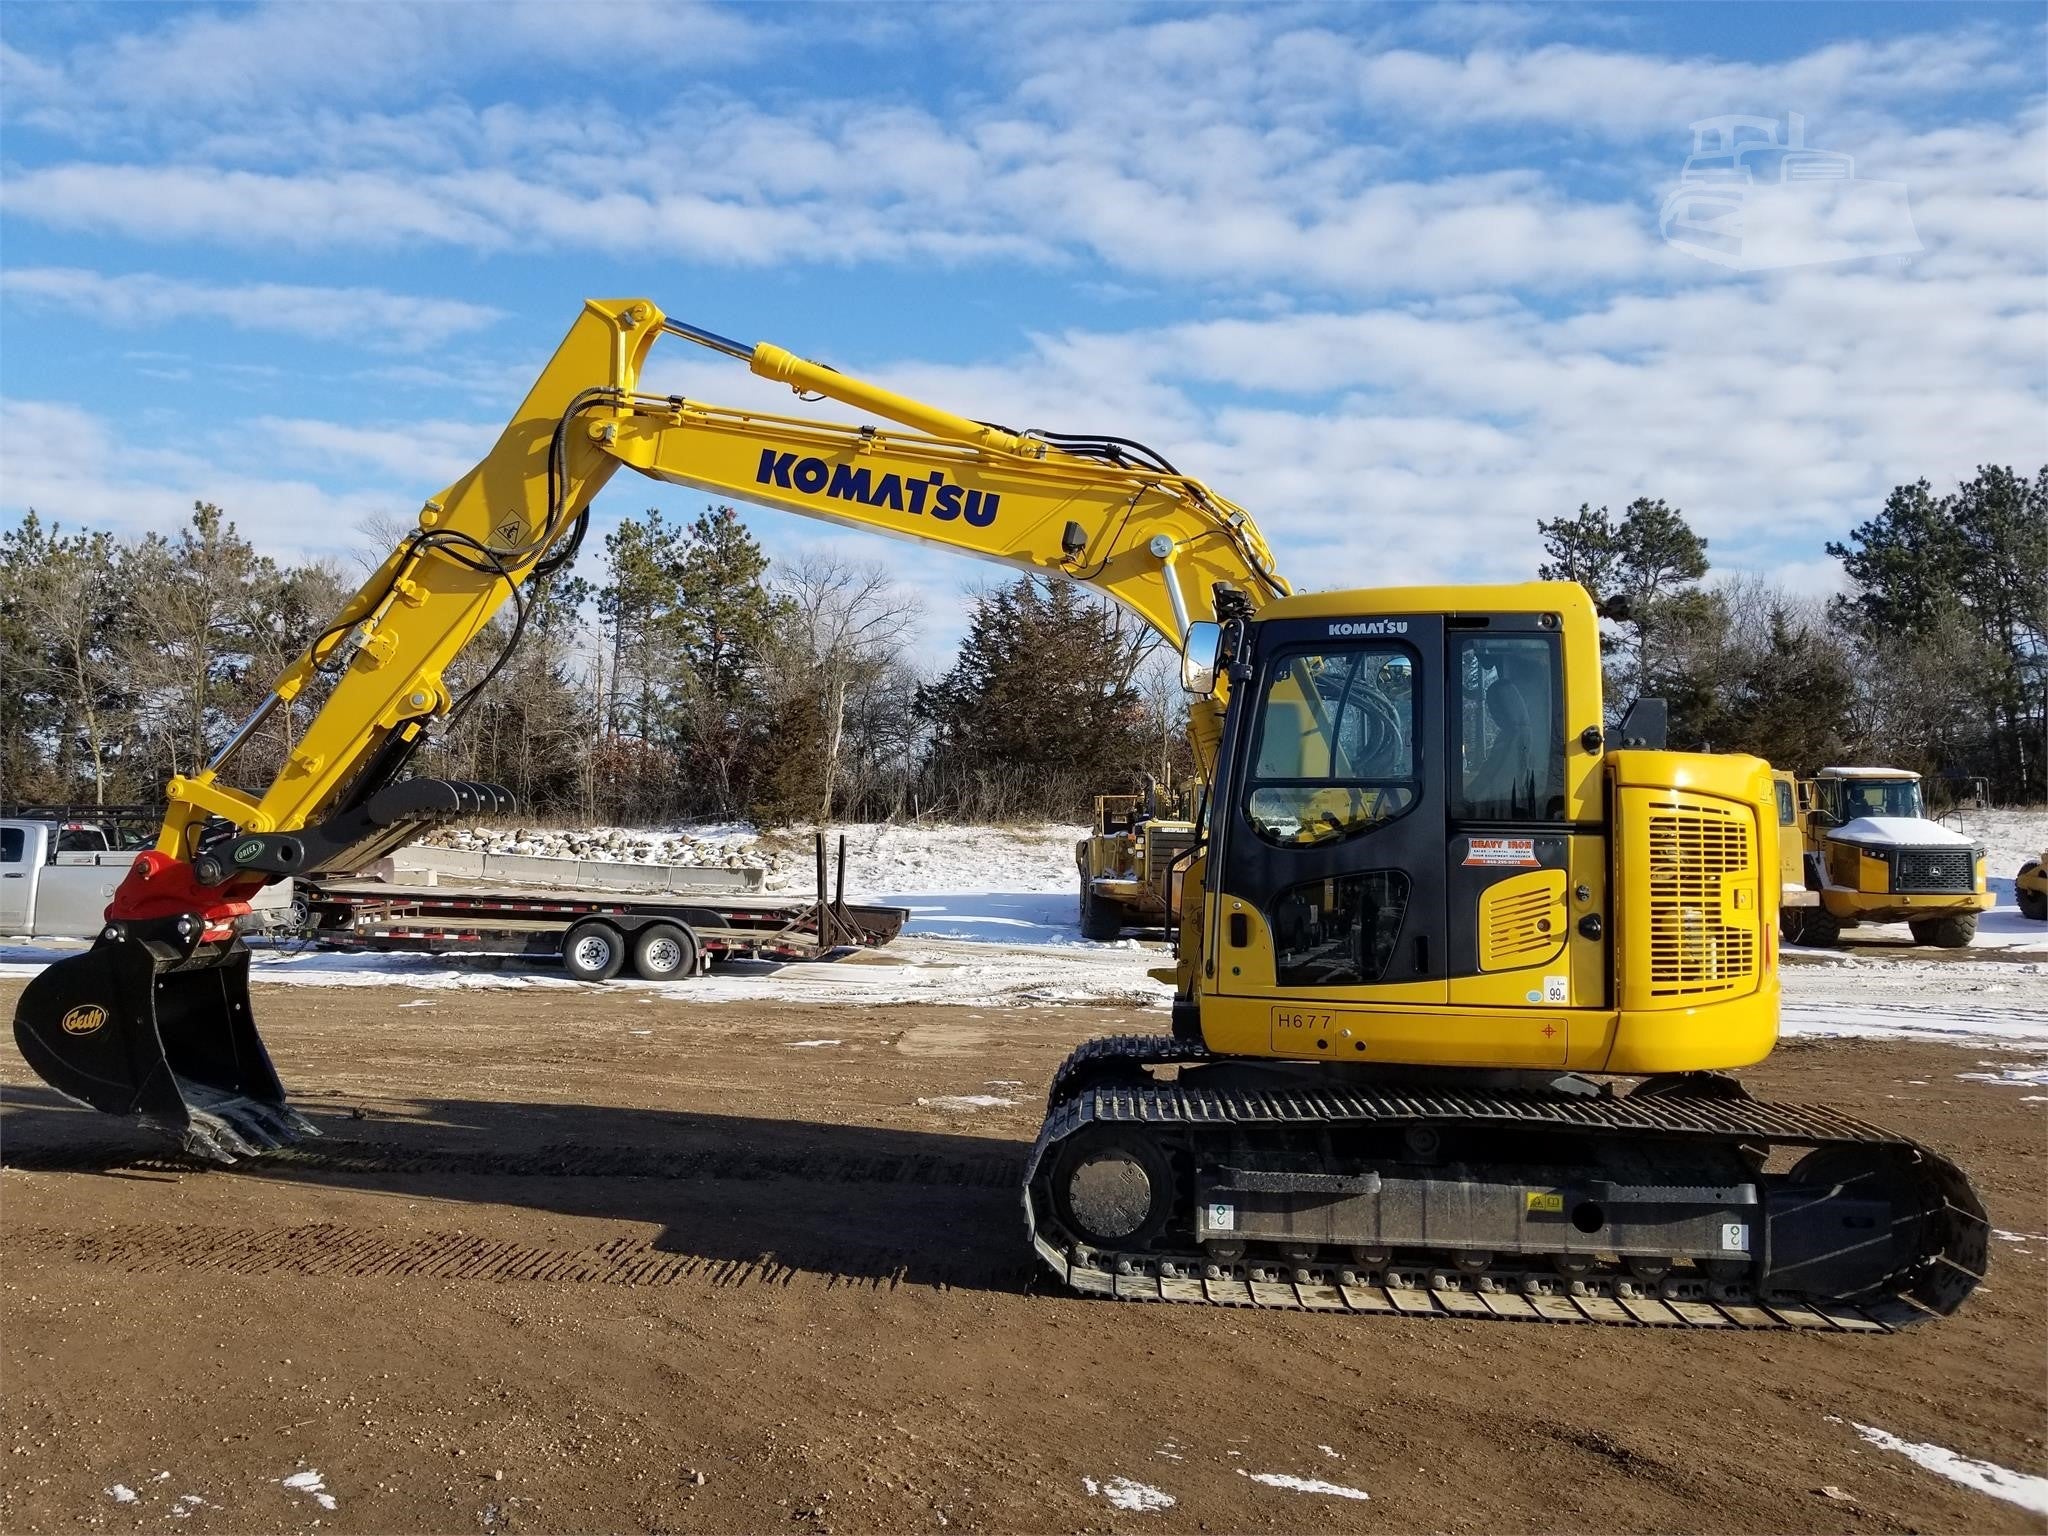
(1786, 814)
(1880, 797)
(1340, 931)
(1508, 751)
(13, 844)
(1334, 750)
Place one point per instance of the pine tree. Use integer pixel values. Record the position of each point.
(1972, 566)
(1643, 572)
(1042, 709)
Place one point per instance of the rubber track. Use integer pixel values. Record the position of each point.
(1421, 1290)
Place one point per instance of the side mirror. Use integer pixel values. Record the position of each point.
(1199, 653)
(1646, 725)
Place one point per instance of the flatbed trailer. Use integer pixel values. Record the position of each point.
(595, 934)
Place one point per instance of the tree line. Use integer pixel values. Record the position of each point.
(1933, 657)
(685, 679)
(688, 677)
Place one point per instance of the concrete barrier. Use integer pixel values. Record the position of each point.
(572, 874)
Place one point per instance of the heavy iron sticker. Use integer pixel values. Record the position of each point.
(1512, 852)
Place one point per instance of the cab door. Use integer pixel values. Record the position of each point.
(1527, 878)
(1328, 924)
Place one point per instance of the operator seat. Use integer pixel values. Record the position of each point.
(1509, 771)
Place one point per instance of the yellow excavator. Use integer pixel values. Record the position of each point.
(1433, 916)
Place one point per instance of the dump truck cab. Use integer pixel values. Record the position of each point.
(1873, 856)
(1794, 802)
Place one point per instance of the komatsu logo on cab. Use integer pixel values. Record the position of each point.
(1370, 627)
(919, 495)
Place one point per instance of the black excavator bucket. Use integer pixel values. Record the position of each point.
(151, 1024)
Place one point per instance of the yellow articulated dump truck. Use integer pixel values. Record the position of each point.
(1871, 855)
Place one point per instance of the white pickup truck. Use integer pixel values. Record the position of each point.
(56, 879)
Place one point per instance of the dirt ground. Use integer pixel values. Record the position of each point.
(573, 1261)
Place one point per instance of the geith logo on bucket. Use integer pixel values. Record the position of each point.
(83, 1019)
(918, 495)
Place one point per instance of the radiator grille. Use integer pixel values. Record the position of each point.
(1933, 869)
(1692, 947)
(1162, 847)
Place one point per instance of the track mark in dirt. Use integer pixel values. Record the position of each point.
(1002, 1167)
(347, 1252)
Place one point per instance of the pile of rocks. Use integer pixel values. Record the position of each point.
(609, 845)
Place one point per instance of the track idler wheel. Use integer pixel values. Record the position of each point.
(152, 1024)
(1114, 1189)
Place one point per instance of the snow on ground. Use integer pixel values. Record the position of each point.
(2009, 839)
(725, 846)
(1975, 1002)
(912, 970)
(2021, 1488)
(1985, 1003)
(1012, 885)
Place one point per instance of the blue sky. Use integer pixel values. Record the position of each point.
(1391, 277)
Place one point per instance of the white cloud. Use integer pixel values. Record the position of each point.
(1393, 334)
(77, 468)
(1630, 95)
(1295, 163)
(426, 454)
(371, 316)
(254, 60)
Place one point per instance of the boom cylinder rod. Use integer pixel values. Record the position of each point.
(243, 732)
(1171, 579)
(711, 339)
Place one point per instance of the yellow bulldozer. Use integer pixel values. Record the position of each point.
(1459, 979)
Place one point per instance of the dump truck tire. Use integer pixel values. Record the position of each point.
(2033, 903)
(1101, 920)
(1814, 927)
(593, 951)
(1952, 932)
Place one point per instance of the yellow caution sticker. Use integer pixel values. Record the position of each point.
(1540, 1200)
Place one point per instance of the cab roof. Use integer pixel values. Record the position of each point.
(1506, 597)
(1867, 773)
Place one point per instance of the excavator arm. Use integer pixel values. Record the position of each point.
(1101, 511)
(164, 990)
